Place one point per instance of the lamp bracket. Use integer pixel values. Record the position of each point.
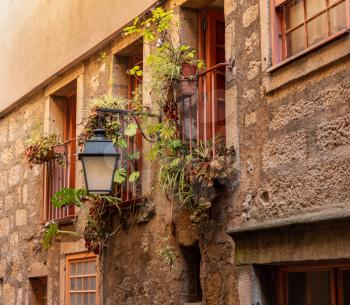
(133, 114)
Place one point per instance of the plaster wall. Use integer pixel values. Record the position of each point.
(47, 36)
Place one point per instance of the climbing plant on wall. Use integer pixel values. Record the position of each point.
(189, 175)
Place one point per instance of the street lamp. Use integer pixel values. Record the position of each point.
(99, 160)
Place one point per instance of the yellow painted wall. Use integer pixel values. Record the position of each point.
(38, 38)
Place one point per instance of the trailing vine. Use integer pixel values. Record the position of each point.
(189, 175)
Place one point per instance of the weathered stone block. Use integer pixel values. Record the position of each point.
(253, 69)
(334, 133)
(285, 149)
(250, 15)
(4, 227)
(305, 107)
(250, 118)
(252, 42)
(9, 294)
(21, 217)
(15, 174)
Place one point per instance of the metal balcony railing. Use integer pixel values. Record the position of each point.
(59, 174)
(129, 192)
(202, 115)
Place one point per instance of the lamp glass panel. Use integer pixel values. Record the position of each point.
(99, 172)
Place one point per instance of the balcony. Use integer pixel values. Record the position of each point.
(59, 174)
(202, 115)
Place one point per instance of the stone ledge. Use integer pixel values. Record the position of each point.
(293, 222)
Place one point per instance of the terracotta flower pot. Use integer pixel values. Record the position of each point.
(187, 85)
(188, 70)
(185, 88)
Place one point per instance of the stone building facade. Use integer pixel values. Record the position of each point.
(288, 206)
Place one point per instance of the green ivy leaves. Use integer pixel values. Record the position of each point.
(120, 175)
(130, 130)
(134, 176)
(67, 196)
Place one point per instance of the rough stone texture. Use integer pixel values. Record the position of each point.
(292, 148)
(250, 15)
(287, 148)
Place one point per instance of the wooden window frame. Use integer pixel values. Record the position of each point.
(279, 56)
(81, 257)
(334, 269)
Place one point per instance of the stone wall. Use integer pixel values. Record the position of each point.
(293, 140)
(20, 204)
(292, 144)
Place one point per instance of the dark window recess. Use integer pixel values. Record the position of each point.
(297, 294)
(38, 293)
(191, 288)
(1, 291)
(345, 280)
(268, 282)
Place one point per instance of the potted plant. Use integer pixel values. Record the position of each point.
(186, 86)
(41, 149)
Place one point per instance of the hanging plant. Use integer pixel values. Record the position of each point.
(40, 149)
(96, 209)
(169, 62)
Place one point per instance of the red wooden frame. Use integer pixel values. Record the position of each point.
(335, 281)
(208, 51)
(279, 32)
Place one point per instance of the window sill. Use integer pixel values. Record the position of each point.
(64, 221)
(308, 51)
(304, 64)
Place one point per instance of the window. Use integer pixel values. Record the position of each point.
(59, 175)
(202, 116)
(38, 291)
(315, 285)
(301, 25)
(81, 284)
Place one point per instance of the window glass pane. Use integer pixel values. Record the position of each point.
(85, 283)
(79, 282)
(92, 283)
(93, 267)
(86, 268)
(92, 298)
(78, 299)
(295, 41)
(317, 29)
(72, 284)
(346, 287)
(72, 299)
(86, 299)
(79, 268)
(294, 13)
(72, 268)
(296, 288)
(337, 18)
(314, 6)
(319, 288)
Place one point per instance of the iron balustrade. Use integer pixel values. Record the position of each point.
(59, 174)
(202, 115)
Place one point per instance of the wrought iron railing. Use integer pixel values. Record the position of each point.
(129, 192)
(202, 115)
(59, 173)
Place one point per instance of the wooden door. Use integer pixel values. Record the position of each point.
(212, 87)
